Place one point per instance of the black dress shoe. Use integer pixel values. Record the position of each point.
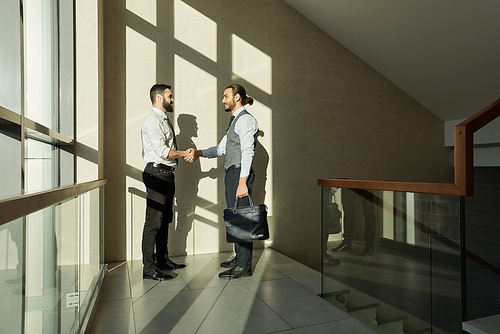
(368, 251)
(170, 265)
(236, 272)
(344, 246)
(156, 275)
(174, 265)
(329, 261)
(228, 264)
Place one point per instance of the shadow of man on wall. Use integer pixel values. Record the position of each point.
(260, 163)
(188, 177)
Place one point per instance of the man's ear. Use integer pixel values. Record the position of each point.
(237, 97)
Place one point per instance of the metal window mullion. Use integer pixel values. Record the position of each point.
(21, 119)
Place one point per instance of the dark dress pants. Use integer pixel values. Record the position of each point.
(244, 250)
(160, 188)
(348, 203)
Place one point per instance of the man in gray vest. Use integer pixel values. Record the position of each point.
(238, 145)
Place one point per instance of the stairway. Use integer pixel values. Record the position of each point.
(381, 317)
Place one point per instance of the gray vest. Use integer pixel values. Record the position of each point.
(233, 145)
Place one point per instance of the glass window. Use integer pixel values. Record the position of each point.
(40, 166)
(66, 68)
(10, 64)
(10, 163)
(41, 58)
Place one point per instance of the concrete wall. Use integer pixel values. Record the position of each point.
(322, 111)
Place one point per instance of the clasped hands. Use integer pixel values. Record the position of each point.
(191, 155)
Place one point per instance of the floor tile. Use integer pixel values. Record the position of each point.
(263, 272)
(295, 304)
(142, 287)
(202, 274)
(114, 317)
(239, 311)
(270, 256)
(223, 256)
(340, 326)
(116, 285)
(181, 312)
(280, 296)
(305, 276)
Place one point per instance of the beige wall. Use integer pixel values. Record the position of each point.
(323, 114)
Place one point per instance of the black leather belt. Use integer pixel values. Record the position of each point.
(233, 167)
(162, 166)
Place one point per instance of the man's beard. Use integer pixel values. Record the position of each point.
(230, 106)
(167, 106)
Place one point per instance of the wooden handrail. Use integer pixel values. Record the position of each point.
(24, 205)
(464, 163)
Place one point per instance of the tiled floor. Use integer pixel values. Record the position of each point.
(280, 297)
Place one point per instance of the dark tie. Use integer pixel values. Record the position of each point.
(175, 141)
(230, 121)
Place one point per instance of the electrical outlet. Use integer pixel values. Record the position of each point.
(72, 299)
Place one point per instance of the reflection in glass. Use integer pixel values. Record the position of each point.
(60, 270)
(11, 280)
(411, 282)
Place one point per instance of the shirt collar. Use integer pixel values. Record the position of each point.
(160, 112)
(238, 111)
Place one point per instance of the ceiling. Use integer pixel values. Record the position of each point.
(443, 53)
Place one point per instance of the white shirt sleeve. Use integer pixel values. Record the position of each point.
(246, 128)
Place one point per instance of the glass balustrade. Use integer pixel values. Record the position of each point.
(51, 264)
(400, 269)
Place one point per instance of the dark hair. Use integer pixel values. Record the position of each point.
(157, 89)
(238, 89)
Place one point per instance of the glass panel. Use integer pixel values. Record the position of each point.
(51, 268)
(66, 166)
(41, 62)
(482, 215)
(64, 258)
(437, 220)
(11, 276)
(41, 163)
(10, 50)
(66, 68)
(90, 243)
(396, 263)
(10, 163)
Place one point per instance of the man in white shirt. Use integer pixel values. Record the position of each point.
(238, 145)
(159, 150)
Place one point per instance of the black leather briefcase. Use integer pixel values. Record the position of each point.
(246, 223)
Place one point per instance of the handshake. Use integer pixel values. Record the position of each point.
(191, 155)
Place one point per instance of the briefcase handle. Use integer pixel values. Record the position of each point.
(236, 204)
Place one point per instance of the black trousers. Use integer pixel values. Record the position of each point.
(244, 250)
(160, 188)
(348, 202)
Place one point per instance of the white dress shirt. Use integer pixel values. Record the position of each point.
(157, 138)
(246, 127)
